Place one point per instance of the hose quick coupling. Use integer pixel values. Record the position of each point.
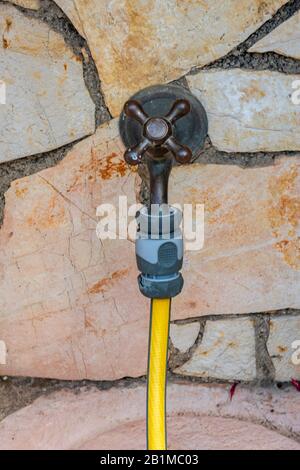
(159, 251)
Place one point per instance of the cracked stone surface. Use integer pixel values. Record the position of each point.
(70, 306)
(47, 103)
(241, 112)
(125, 35)
(227, 351)
(250, 258)
(183, 336)
(285, 39)
(285, 331)
(31, 4)
(199, 417)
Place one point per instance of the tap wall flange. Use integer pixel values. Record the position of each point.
(157, 101)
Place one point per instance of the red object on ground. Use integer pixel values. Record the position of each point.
(232, 390)
(296, 384)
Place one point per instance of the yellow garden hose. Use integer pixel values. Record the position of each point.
(157, 374)
(159, 242)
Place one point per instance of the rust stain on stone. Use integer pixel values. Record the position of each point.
(104, 283)
(47, 218)
(253, 91)
(185, 5)
(204, 353)
(287, 210)
(284, 216)
(89, 324)
(216, 343)
(21, 192)
(8, 23)
(111, 166)
(140, 36)
(210, 201)
(282, 349)
(291, 252)
(264, 7)
(37, 75)
(284, 182)
(5, 43)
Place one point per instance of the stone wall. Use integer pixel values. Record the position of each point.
(69, 306)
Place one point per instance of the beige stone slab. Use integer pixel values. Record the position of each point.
(69, 304)
(136, 43)
(46, 103)
(30, 4)
(250, 258)
(183, 336)
(284, 347)
(227, 351)
(199, 417)
(242, 113)
(285, 39)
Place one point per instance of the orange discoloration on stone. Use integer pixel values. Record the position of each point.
(8, 22)
(64, 76)
(291, 252)
(210, 201)
(90, 325)
(284, 182)
(215, 345)
(282, 349)
(252, 92)
(37, 75)
(120, 32)
(5, 40)
(21, 192)
(112, 166)
(5, 43)
(192, 304)
(184, 5)
(103, 284)
(285, 211)
(99, 167)
(51, 218)
(264, 7)
(139, 26)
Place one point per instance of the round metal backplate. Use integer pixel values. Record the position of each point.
(191, 130)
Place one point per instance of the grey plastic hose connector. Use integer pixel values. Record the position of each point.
(159, 251)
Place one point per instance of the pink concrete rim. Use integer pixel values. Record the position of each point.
(199, 417)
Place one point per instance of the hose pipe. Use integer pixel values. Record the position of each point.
(159, 254)
(157, 374)
(158, 124)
